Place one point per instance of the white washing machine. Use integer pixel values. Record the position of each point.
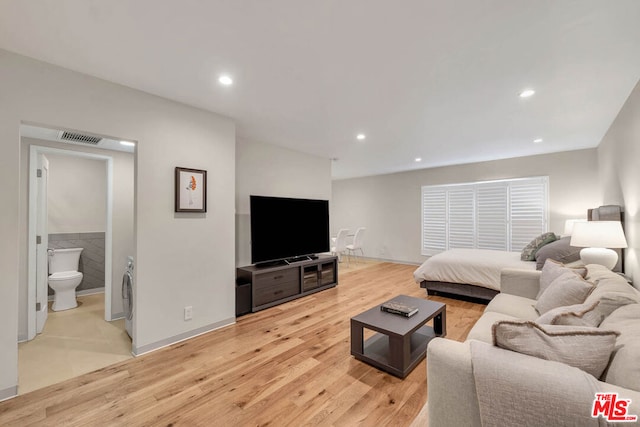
(127, 296)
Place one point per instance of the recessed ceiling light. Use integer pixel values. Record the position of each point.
(418, 159)
(527, 93)
(360, 136)
(225, 80)
(537, 140)
(128, 143)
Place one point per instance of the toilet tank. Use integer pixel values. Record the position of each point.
(64, 260)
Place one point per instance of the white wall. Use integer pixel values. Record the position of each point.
(181, 259)
(389, 205)
(122, 217)
(619, 162)
(268, 170)
(77, 194)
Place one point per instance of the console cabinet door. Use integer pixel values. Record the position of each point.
(274, 292)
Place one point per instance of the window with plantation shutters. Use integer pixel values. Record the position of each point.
(502, 215)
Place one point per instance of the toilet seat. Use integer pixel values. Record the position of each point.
(65, 275)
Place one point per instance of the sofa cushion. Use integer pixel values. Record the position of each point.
(560, 251)
(529, 251)
(566, 289)
(572, 315)
(624, 369)
(585, 348)
(481, 331)
(612, 290)
(554, 269)
(608, 281)
(513, 305)
(596, 273)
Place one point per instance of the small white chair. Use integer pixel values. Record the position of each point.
(358, 240)
(340, 243)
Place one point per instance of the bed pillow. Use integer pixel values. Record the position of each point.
(554, 269)
(582, 347)
(567, 289)
(529, 251)
(560, 250)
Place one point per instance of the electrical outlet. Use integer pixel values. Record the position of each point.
(188, 312)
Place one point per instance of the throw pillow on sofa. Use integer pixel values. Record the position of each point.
(529, 251)
(608, 302)
(566, 289)
(560, 251)
(585, 348)
(573, 315)
(554, 269)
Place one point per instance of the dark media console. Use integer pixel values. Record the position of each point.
(258, 287)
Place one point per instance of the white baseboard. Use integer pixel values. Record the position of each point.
(390, 260)
(8, 393)
(137, 351)
(90, 291)
(117, 316)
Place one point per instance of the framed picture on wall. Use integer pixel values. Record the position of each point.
(191, 190)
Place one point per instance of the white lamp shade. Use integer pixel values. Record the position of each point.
(598, 234)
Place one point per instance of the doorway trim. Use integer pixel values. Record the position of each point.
(31, 245)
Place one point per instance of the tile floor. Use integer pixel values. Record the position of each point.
(72, 343)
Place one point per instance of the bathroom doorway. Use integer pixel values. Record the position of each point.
(37, 307)
(57, 345)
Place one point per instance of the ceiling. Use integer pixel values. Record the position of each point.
(437, 80)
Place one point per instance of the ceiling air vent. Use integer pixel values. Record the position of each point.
(78, 137)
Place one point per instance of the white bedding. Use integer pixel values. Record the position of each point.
(480, 267)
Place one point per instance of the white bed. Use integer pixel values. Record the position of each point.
(475, 267)
(479, 267)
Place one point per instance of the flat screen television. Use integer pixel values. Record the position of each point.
(286, 228)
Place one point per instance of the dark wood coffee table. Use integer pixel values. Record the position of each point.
(401, 342)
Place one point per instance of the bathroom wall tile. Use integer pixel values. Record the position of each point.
(63, 236)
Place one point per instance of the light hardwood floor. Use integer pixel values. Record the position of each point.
(288, 365)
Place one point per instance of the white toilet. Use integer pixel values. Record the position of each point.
(64, 277)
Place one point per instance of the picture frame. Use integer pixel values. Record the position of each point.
(190, 190)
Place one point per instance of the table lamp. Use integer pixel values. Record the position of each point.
(597, 237)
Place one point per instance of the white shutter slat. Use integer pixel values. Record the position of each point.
(434, 217)
(491, 217)
(461, 217)
(528, 211)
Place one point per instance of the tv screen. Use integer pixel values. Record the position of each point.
(284, 228)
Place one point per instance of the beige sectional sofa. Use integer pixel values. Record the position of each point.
(475, 382)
